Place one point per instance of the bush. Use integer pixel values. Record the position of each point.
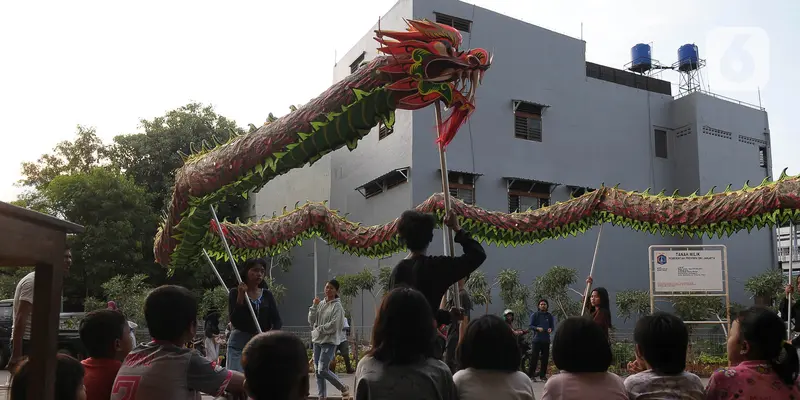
(215, 299)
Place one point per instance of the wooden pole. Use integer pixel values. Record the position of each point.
(591, 270)
(448, 233)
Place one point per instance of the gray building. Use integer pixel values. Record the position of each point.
(548, 124)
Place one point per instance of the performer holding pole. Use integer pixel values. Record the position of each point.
(233, 263)
(591, 269)
(448, 233)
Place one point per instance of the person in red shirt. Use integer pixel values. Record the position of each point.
(599, 307)
(107, 338)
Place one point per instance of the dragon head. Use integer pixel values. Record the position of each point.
(426, 65)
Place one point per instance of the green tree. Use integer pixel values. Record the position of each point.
(384, 279)
(554, 285)
(480, 292)
(513, 293)
(80, 155)
(129, 292)
(151, 157)
(766, 287)
(116, 216)
(632, 303)
(215, 299)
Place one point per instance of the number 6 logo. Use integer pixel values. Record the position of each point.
(126, 386)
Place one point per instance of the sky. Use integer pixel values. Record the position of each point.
(109, 64)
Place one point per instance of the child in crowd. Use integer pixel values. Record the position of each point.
(661, 343)
(69, 380)
(491, 357)
(276, 367)
(582, 352)
(401, 364)
(763, 365)
(165, 369)
(106, 336)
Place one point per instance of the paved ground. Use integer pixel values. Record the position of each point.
(332, 392)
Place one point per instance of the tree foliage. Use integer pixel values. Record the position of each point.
(632, 303)
(554, 285)
(215, 299)
(479, 289)
(151, 157)
(768, 284)
(128, 292)
(118, 191)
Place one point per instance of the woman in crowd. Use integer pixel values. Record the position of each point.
(254, 290)
(69, 380)
(401, 364)
(327, 322)
(491, 357)
(763, 365)
(583, 354)
(599, 307)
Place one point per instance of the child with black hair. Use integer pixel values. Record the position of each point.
(661, 343)
(165, 369)
(583, 354)
(69, 380)
(106, 336)
(276, 367)
(763, 364)
(491, 357)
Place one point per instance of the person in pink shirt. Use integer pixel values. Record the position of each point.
(763, 365)
(582, 352)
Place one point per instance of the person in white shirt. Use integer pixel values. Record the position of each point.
(490, 358)
(22, 310)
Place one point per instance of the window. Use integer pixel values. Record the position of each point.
(528, 121)
(357, 63)
(576, 191)
(660, 137)
(762, 157)
(462, 186)
(384, 183)
(384, 131)
(464, 25)
(526, 194)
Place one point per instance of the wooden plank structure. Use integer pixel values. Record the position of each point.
(31, 238)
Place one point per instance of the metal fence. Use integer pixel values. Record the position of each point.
(702, 343)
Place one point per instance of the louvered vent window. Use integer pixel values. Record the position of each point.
(463, 25)
(525, 194)
(357, 63)
(528, 121)
(462, 186)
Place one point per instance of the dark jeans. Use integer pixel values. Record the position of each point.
(344, 350)
(544, 349)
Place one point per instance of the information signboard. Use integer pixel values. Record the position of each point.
(690, 270)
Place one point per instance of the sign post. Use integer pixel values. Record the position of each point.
(690, 271)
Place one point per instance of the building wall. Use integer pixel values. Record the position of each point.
(594, 132)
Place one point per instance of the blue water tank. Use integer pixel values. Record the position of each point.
(688, 57)
(641, 59)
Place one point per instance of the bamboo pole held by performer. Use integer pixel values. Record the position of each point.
(591, 271)
(792, 246)
(448, 233)
(233, 264)
(214, 268)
